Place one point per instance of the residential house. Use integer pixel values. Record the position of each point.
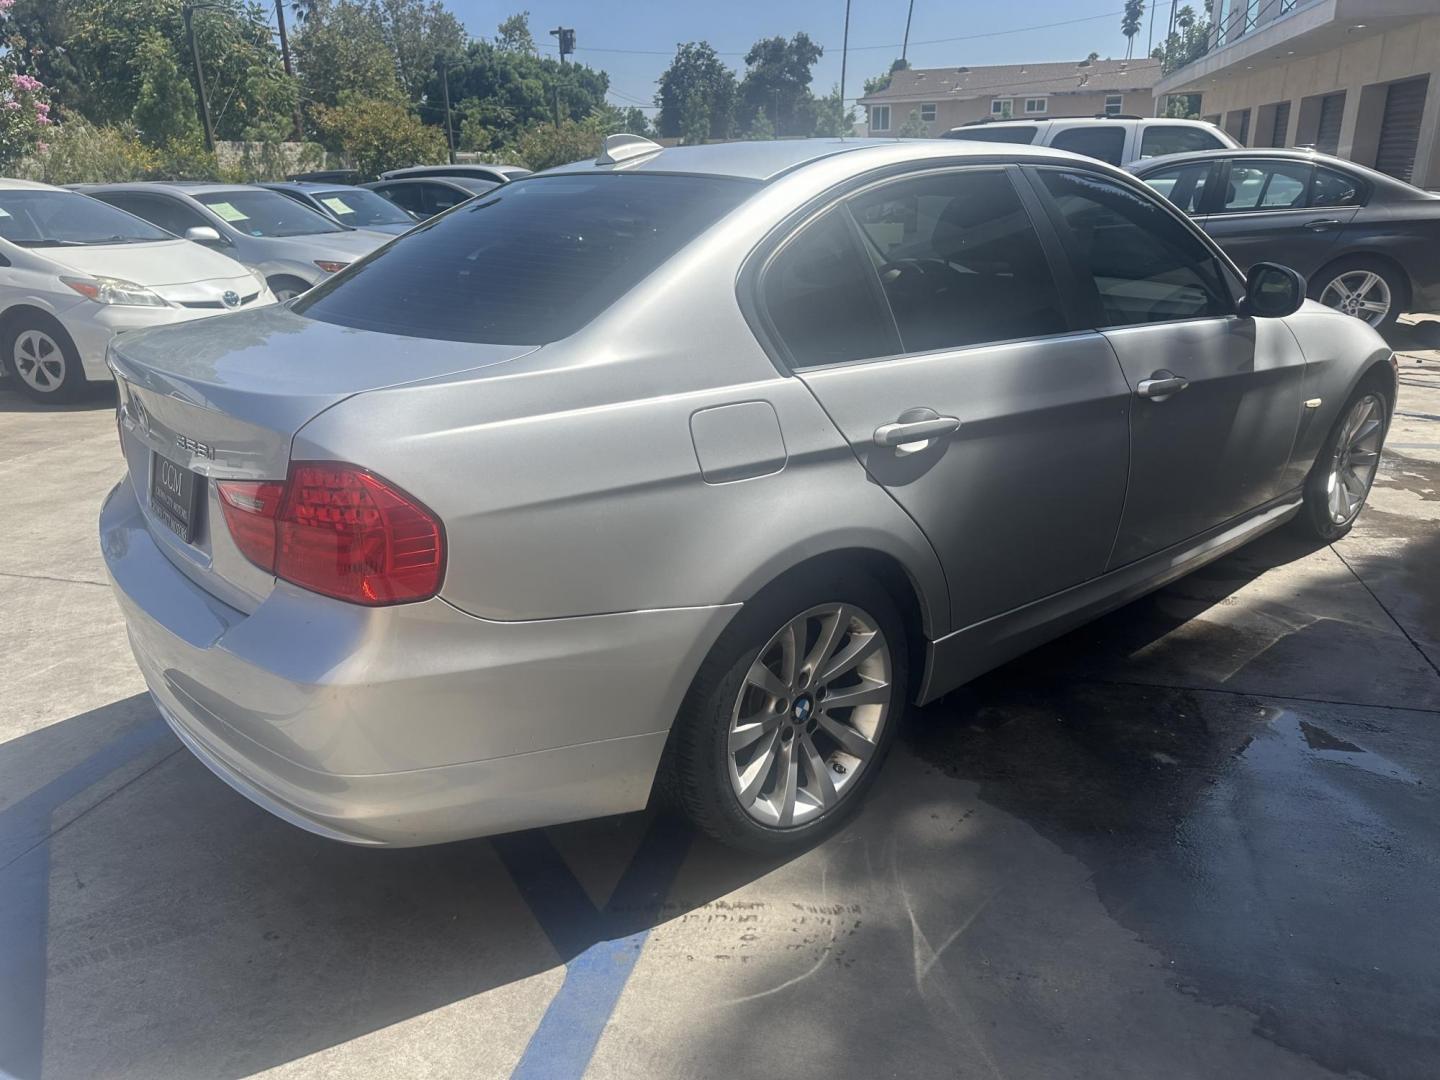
(1358, 78)
(943, 98)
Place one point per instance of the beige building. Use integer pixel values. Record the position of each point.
(1358, 78)
(943, 98)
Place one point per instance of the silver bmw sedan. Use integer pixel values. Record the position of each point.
(701, 464)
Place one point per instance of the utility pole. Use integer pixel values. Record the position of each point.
(566, 37)
(285, 58)
(186, 11)
(445, 85)
(905, 47)
(1150, 42)
(844, 54)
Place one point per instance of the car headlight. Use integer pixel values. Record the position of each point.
(109, 290)
(260, 280)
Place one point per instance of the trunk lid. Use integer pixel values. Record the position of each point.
(224, 397)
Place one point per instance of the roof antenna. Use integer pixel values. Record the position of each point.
(622, 147)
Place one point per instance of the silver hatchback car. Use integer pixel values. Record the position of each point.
(701, 463)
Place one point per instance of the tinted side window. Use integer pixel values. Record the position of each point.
(1105, 143)
(821, 296)
(405, 196)
(1175, 139)
(959, 260)
(1147, 266)
(443, 197)
(1267, 185)
(1333, 188)
(170, 214)
(1183, 185)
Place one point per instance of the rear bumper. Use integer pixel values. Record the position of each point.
(407, 725)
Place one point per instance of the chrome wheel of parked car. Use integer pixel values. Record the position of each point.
(1356, 458)
(1361, 293)
(810, 714)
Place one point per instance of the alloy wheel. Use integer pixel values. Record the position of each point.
(39, 361)
(1361, 293)
(809, 717)
(1356, 458)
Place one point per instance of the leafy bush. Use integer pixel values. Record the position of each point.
(376, 135)
(78, 152)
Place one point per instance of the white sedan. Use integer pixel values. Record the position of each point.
(74, 272)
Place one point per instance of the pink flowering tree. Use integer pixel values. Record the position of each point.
(24, 109)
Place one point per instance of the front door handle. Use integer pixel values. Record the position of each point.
(915, 426)
(1161, 385)
(1323, 225)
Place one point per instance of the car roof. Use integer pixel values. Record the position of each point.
(183, 187)
(768, 160)
(458, 169)
(9, 184)
(1017, 121)
(1382, 181)
(311, 186)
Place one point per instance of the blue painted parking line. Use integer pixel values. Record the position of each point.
(25, 826)
(600, 946)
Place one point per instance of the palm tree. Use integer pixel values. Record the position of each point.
(1130, 24)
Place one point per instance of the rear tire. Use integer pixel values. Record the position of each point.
(758, 760)
(1359, 286)
(43, 360)
(1344, 471)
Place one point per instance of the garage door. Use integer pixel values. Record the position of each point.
(1282, 124)
(1332, 111)
(1400, 129)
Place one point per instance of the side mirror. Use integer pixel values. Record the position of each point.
(1272, 291)
(203, 234)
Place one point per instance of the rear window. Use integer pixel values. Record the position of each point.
(529, 263)
(1024, 135)
(1162, 139)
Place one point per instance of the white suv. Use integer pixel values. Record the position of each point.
(1116, 139)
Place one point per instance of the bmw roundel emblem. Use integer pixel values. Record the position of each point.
(230, 298)
(802, 709)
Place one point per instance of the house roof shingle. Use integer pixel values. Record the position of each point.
(1016, 80)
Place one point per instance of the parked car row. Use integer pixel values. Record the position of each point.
(78, 265)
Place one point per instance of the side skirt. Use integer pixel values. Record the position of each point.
(961, 656)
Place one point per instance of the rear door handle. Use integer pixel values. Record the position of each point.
(1161, 385)
(1322, 225)
(911, 428)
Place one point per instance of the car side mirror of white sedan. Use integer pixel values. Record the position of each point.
(203, 234)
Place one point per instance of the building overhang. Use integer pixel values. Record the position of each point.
(1310, 29)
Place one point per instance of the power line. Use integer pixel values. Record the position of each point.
(864, 48)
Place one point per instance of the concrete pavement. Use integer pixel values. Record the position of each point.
(1193, 839)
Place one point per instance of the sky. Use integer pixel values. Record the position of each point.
(634, 40)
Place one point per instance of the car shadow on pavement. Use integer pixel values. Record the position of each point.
(94, 396)
(158, 924)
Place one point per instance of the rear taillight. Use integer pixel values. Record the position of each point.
(338, 530)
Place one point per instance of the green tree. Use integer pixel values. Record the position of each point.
(417, 33)
(759, 127)
(543, 146)
(514, 34)
(1189, 41)
(376, 135)
(502, 93)
(165, 105)
(696, 74)
(832, 117)
(913, 127)
(876, 83)
(1130, 24)
(777, 80)
(340, 50)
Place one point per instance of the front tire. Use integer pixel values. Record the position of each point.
(791, 715)
(286, 288)
(43, 359)
(1344, 471)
